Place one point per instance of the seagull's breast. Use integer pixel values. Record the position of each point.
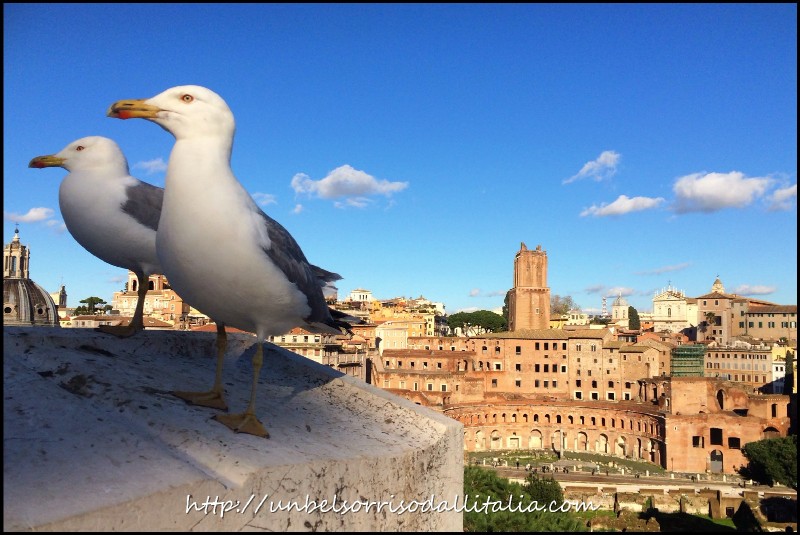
(211, 244)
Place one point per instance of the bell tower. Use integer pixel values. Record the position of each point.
(529, 299)
(15, 259)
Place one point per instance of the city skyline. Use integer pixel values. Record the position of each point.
(411, 148)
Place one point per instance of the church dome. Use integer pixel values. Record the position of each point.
(25, 303)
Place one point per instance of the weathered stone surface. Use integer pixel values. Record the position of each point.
(93, 440)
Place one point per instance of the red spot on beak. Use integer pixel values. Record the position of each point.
(38, 165)
(124, 114)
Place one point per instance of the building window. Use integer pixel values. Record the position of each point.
(494, 383)
(734, 443)
(519, 350)
(610, 395)
(518, 367)
(595, 396)
(518, 383)
(698, 442)
(429, 386)
(444, 388)
(716, 436)
(578, 395)
(497, 366)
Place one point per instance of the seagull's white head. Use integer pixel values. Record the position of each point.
(87, 153)
(185, 111)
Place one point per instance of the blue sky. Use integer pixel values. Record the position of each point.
(640, 145)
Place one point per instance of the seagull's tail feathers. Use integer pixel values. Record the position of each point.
(326, 280)
(340, 323)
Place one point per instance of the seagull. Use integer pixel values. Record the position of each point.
(218, 249)
(111, 214)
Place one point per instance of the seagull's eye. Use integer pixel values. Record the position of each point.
(79, 148)
(187, 98)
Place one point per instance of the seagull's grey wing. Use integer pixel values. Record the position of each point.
(144, 203)
(288, 256)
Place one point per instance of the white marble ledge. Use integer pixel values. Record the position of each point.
(94, 441)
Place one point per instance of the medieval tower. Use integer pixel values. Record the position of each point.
(529, 299)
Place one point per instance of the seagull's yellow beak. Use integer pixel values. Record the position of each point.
(46, 161)
(133, 109)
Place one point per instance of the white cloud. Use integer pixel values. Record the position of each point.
(344, 181)
(475, 292)
(157, 165)
(31, 216)
(783, 198)
(746, 289)
(263, 199)
(605, 166)
(710, 192)
(623, 205)
(297, 208)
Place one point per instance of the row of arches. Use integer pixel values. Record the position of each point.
(645, 425)
(620, 445)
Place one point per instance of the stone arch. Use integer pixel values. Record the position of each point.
(514, 442)
(535, 440)
(771, 432)
(480, 440)
(601, 444)
(620, 446)
(582, 441)
(496, 440)
(721, 399)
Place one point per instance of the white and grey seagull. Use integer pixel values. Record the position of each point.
(270, 287)
(111, 214)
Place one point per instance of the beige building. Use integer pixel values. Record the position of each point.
(161, 303)
(673, 311)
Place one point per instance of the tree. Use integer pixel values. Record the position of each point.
(788, 380)
(505, 306)
(544, 489)
(633, 319)
(480, 484)
(481, 321)
(562, 305)
(92, 303)
(772, 460)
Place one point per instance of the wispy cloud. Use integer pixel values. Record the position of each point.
(33, 215)
(297, 208)
(665, 269)
(605, 166)
(746, 289)
(623, 205)
(613, 291)
(711, 192)
(477, 292)
(264, 199)
(783, 198)
(150, 167)
(348, 183)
